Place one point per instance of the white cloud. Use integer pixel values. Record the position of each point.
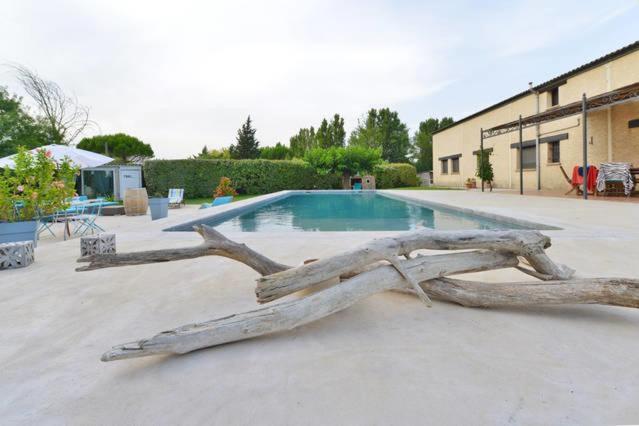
(181, 75)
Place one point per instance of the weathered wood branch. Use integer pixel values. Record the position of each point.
(601, 291)
(529, 244)
(214, 244)
(291, 314)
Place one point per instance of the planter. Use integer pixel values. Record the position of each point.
(11, 232)
(159, 208)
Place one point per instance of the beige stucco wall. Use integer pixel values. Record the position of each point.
(609, 138)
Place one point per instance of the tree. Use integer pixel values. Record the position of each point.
(247, 145)
(120, 146)
(347, 161)
(485, 168)
(17, 127)
(331, 134)
(423, 141)
(277, 152)
(302, 142)
(66, 118)
(383, 129)
(213, 154)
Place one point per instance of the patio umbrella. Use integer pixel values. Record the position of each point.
(80, 157)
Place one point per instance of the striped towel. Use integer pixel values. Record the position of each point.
(619, 172)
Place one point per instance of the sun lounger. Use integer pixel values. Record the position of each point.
(176, 197)
(218, 201)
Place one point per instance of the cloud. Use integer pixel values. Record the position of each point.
(181, 75)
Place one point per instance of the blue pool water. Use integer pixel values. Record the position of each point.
(347, 211)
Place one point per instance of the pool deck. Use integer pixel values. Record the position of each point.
(386, 360)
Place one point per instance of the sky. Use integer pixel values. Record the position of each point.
(181, 75)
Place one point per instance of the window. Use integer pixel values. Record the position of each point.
(553, 152)
(455, 162)
(528, 157)
(554, 96)
(444, 167)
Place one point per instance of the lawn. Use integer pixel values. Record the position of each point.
(199, 201)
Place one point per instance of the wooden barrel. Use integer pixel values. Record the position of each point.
(136, 201)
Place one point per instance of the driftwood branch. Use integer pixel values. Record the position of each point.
(600, 291)
(528, 244)
(214, 244)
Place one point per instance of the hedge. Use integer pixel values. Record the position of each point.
(200, 177)
(395, 175)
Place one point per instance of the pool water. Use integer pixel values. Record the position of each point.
(347, 211)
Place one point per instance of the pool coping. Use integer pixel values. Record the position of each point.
(231, 210)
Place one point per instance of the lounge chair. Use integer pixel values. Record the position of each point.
(357, 186)
(176, 197)
(576, 182)
(218, 201)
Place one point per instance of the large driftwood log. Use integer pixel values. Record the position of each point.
(291, 314)
(528, 244)
(366, 271)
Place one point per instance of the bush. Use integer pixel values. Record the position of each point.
(395, 175)
(37, 184)
(200, 177)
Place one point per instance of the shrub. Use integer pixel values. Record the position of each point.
(395, 175)
(224, 189)
(37, 184)
(200, 177)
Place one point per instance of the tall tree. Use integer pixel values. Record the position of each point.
(337, 132)
(66, 118)
(423, 141)
(323, 135)
(120, 146)
(383, 129)
(213, 154)
(302, 142)
(17, 127)
(247, 145)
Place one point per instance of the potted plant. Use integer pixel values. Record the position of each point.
(471, 183)
(159, 206)
(36, 187)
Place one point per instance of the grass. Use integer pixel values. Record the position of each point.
(199, 201)
(427, 188)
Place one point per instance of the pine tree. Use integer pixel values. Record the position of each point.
(247, 145)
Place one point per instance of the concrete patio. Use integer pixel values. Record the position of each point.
(387, 360)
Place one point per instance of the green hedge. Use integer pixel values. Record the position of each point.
(200, 177)
(395, 175)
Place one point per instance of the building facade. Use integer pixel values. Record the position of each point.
(612, 132)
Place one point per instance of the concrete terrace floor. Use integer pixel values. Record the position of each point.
(386, 360)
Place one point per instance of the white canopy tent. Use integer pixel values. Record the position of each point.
(80, 157)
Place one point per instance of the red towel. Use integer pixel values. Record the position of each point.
(578, 180)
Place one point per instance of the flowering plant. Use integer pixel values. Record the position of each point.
(224, 189)
(37, 186)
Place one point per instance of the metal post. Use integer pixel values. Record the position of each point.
(481, 156)
(584, 112)
(521, 159)
(537, 153)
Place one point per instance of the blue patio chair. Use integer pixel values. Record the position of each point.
(86, 222)
(357, 186)
(218, 201)
(176, 197)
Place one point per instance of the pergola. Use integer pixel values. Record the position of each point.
(615, 97)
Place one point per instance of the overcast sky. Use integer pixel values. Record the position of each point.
(183, 74)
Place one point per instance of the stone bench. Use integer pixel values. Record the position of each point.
(97, 244)
(16, 255)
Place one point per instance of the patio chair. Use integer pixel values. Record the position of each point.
(357, 186)
(176, 197)
(576, 182)
(218, 201)
(616, 178)
(86, 222)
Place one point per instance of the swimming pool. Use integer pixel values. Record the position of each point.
(346, 211)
